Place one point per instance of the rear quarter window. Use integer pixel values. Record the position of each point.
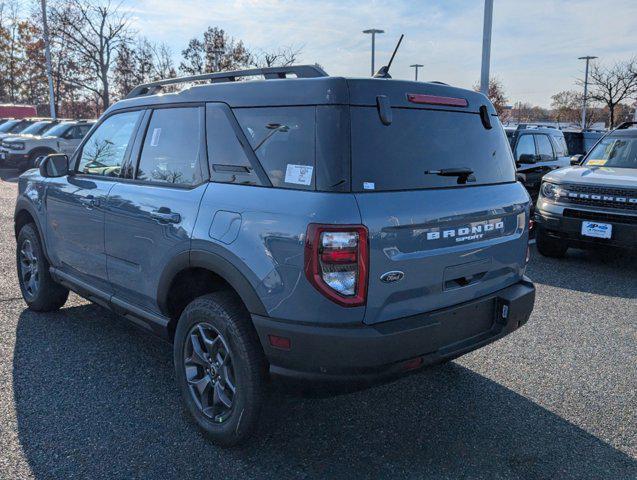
(283, 139)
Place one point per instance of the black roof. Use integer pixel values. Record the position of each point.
(318, 90)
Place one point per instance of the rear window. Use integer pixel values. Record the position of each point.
(396, 157)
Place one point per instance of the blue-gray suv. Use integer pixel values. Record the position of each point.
(307, 226)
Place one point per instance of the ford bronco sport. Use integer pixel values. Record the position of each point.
(313, 227)
(593, 205)
(23, 150)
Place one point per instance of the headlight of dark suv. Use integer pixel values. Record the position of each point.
(550, 190)
(15, 145)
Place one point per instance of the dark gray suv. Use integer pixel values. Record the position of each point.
(308, 226)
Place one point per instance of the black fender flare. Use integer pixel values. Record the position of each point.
(217, 264)
(23, 205)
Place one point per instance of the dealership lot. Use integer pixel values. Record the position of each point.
(83, 394)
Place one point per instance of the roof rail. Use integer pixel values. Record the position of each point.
(626, 125)
(300, 71)
(523, 126)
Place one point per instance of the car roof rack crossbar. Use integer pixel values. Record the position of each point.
(269, 73)
(625, 125)
(524, 126)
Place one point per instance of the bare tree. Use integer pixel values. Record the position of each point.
(95, 31)
(496, 95)
(613, 85)
(282, 57)
(216, 52)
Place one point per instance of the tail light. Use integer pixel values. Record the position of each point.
(336, 262)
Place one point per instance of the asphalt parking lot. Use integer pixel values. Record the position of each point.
(85, 395)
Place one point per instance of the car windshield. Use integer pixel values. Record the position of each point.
(614, 151)
(37, 128)
(58, 130)
(6, 127)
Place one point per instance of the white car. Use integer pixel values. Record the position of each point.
(22, 151)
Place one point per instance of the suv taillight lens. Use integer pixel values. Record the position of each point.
(336, 262)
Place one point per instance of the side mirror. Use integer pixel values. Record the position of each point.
(577, 159)
(55, 165)
(527, 158)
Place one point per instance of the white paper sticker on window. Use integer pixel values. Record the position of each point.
(299, 174)
(154, 141)
(369, 186)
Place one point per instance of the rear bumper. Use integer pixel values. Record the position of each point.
(567, 226)
(366, 352)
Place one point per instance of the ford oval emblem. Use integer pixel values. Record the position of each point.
(393, 276)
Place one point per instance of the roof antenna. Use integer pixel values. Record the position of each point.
(383, 72)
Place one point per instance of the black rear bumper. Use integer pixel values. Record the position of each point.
(389, 348)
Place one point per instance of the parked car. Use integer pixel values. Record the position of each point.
(22, 151)
(592, 205)
(5, 120)
(537, 149)
(312, 227)
(17, 126)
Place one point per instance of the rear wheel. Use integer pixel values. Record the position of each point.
(220, 367)
(40, 292)
(550, 246)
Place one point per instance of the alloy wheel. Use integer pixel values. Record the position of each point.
(210, 372)
(29, 269)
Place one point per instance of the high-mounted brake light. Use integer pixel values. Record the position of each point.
(336, 262)
(436, 100)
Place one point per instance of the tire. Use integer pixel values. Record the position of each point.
(40, 292)
(30, 162)
(550, 246)
(221, 320)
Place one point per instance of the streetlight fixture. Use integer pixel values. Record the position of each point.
(588, 59)
(416, 66)
(373, 32)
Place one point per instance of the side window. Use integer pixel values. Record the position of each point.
(283, 139)
(544, 148)
(525, 146)
(561, 149)
(170, 153)
(228, 159)
(103, 153)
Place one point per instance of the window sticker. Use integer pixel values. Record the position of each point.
(369, 186)
(154, 141)
(596, 162)
(299, 174)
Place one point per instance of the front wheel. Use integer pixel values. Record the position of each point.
(40, 292)
(220, 367)
(550, 246)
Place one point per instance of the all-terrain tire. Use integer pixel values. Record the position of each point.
(40, 292)
(220, 314)
(550, 246)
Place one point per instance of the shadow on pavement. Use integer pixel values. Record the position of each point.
(573, 272)
(96, 398)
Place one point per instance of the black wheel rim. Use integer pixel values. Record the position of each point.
(209, 372)
(29, 272)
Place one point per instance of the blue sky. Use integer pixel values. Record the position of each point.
(534, 48)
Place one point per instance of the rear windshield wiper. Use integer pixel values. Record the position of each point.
(464, 174)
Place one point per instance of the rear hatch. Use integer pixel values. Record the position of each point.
(452, 237)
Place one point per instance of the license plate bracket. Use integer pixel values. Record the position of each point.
(597, 229)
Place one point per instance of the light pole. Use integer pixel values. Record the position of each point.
(588, 59)
(486, 46)
(416, 66)
(47, 57)
(373, 32)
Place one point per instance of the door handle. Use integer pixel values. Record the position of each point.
(90, 201)
(165, 215)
